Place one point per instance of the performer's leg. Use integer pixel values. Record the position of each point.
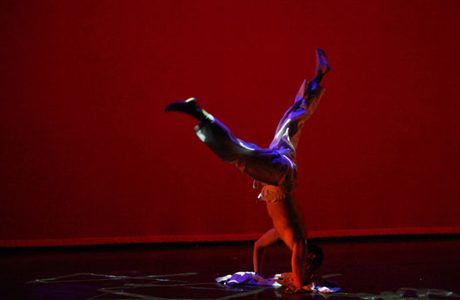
(266, 240)
(263, 164)
(213, 132)
(304, 106)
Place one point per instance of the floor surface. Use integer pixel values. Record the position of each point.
(365, 268)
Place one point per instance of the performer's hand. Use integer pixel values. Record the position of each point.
(257, 278)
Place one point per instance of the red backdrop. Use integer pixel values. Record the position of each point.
(88, 156)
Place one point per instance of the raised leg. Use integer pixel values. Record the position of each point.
(266, 240)
(305, 104)
(263, 164)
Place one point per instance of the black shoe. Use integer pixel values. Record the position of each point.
(322, 66)
(189, 106)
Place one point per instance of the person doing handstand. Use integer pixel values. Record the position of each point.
(272, 168)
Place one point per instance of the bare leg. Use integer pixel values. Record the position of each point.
(267, 239)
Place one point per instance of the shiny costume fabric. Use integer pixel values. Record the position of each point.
(275, 166)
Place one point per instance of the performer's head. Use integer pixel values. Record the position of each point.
(315, 256)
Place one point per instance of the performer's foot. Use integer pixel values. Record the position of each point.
(322, 66)
(188, 106)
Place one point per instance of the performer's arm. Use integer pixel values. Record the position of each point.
(267, 239)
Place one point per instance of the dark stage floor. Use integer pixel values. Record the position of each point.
(377, 268)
